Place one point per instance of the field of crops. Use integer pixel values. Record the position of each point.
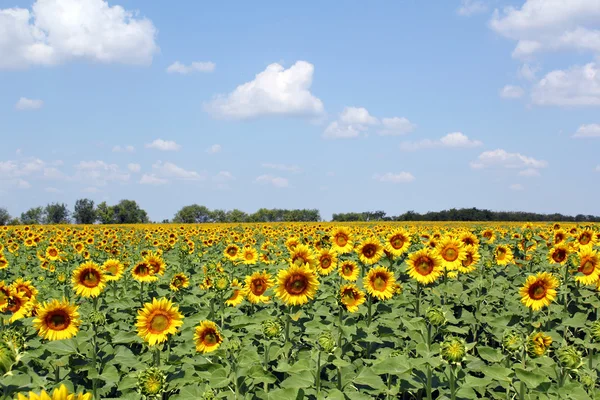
(317, 311)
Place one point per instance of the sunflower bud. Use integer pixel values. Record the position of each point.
(209, 394)
(326, 342)
(97, 318)
(222, 283)
(13, 338)
(538, 344)
(487, 263)
(569, 357)
(512, 341)
(271, 328)
(595, 331)
(436, 316)
(453, 350)
(151, 383)
(588, 381)
(8, 358)
(234, 345)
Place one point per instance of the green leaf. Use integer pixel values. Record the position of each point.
(498, 373)
(489, 354)
(298, 381)
(531, 378)
(391, 365)
(369, 378)
(62, 347)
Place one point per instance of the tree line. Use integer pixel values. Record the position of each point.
(86, 211)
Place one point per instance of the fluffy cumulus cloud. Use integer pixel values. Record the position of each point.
(390, 177)
(152, 179)
(550, 25)
(355, 120)
(196, 66)
(56, 31)
(123, 149)
(134, 167)
(282, 167)
(471, 7)
(500, 158)
(274, 91)
(214, 149)
(511, 92)
(576, 86)
(99, 173)
(163, 145)
(30, 168)
(169, 170)
(276, 181)
(28, 104)
(588, 131)
(454, 140)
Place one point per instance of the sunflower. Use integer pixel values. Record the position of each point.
(249, 255)
(351, 297)
(326, 261)
(348, 270)
(25, 288)
(341, 239)
(3, 262)
(559, 236)
(231, 252)
(489, 235)
(88, 280)
(469, 239)
(237, 297)
(452, 252)
(157, 320)
(142, 272)
(380, 282)
(255, 287)
(370, 251)
(207, 337)
(559, 254)
(472, 257)
(179, 281)
(425, 266)
(397, 242)
(503, 255)
(113, 269)
(589, 266)
(57, 320)
(19, 305)
(538, 344)
(302, 255)
(296, 285)
(61, 393)
(539, 290)
(156, 263)
(79, 247)
(586, 237)
(52, 253)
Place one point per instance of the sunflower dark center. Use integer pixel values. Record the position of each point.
(537, 291)
(585, 238)
(341, 239)
(258, 286)
(90, 278)
(52, 252)
(369, 250)
(424, 265)
(210, 338)
(325, 262)
(397, 242)
(349, 296)
(296, 284)
(468, 260)
(587, 267)
(450, 254)
(58, 320)
(559, 255)
(501, 253)
(159, 323)
(380, 282)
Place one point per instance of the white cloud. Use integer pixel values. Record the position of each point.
(500, 158)
(223, 176)
(52, 190)
(22, 184)
(163, 145)
(54, 173)
(528, 72)
(282, 167)
(28, 104)
(577, 86)
(134, 167)
(354, 120)
(471, 7)
(598, 168)
(550, 25)
(170, 170)
(30, 167)
(516, 186)
(99, 173)
(274, 91)
(214, 149)
(272, 180)
(453, 140)
(123, 149)
(396, 126)
(401, 177)
(57, 31)
(588, 131)
(196, 66)
(152, 179)
(529, 172)
(511, 92)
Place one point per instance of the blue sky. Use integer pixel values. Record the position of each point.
(403, 106)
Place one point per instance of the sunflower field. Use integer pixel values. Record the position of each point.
(300, 311)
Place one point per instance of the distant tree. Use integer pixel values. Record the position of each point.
(236, 216)
(105, 214)
(14, 221)
(56, 213)
(219, 215)
(193, 214)
(33, 216)
(84, 212)
(4, 216)
(129, 212)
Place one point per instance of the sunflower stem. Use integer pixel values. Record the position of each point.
(339, 379)
(318, 373)
(156, 357)
(452, 383)
(57, 374)
(418, 302)
(142, 294)
(369, 310)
